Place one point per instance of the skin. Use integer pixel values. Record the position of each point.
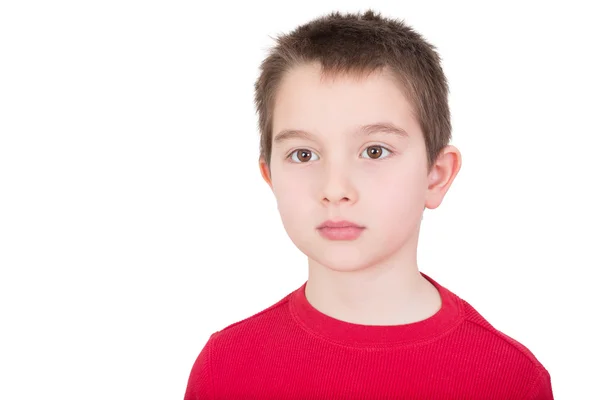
(379, 181)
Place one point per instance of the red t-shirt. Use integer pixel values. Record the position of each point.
(292, 351)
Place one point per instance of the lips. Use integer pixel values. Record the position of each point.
(340, 230)
(339, 224)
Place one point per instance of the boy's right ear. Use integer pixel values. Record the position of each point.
(264, 171)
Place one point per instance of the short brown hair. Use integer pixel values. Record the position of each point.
(360, 44)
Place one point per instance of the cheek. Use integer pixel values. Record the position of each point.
(397, 194)
(293, 201)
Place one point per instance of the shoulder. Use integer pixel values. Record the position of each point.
(503, 356)
(254, 327)
(232, 345)
(477, 324)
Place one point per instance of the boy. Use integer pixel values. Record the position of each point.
(355, 126)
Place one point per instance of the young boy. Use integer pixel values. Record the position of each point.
(355, 126)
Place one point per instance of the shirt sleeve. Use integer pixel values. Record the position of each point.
(542, 388)
(200, 385)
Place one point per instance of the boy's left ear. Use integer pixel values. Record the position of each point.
(442, 175)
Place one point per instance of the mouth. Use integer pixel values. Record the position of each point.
(341, 233)
(330, 224)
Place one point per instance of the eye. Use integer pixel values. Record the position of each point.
(374, 152)
(303, 155)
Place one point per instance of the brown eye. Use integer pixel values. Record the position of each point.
(303, 155)
(375, 151)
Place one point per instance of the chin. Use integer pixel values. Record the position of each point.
(340, 260)
(344, 268)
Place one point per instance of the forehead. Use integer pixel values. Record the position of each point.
(336, 105)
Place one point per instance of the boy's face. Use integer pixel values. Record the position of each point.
(378, 181)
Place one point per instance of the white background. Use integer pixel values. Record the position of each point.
(134, 221)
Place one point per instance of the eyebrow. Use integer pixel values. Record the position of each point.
(364, 130)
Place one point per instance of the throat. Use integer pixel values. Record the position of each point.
(387, 305)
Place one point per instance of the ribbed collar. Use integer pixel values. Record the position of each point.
(356, 335)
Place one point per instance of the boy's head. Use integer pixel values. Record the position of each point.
(355, 125)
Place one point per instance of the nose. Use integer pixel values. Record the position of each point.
(337, 186)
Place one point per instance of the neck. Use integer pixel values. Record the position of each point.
(388, 292)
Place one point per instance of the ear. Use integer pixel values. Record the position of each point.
(264, 171)
(442, 175)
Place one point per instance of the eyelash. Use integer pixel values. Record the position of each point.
(289, 156)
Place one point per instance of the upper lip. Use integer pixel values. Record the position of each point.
(338, 224)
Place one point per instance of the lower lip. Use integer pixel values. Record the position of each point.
(346, 233)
